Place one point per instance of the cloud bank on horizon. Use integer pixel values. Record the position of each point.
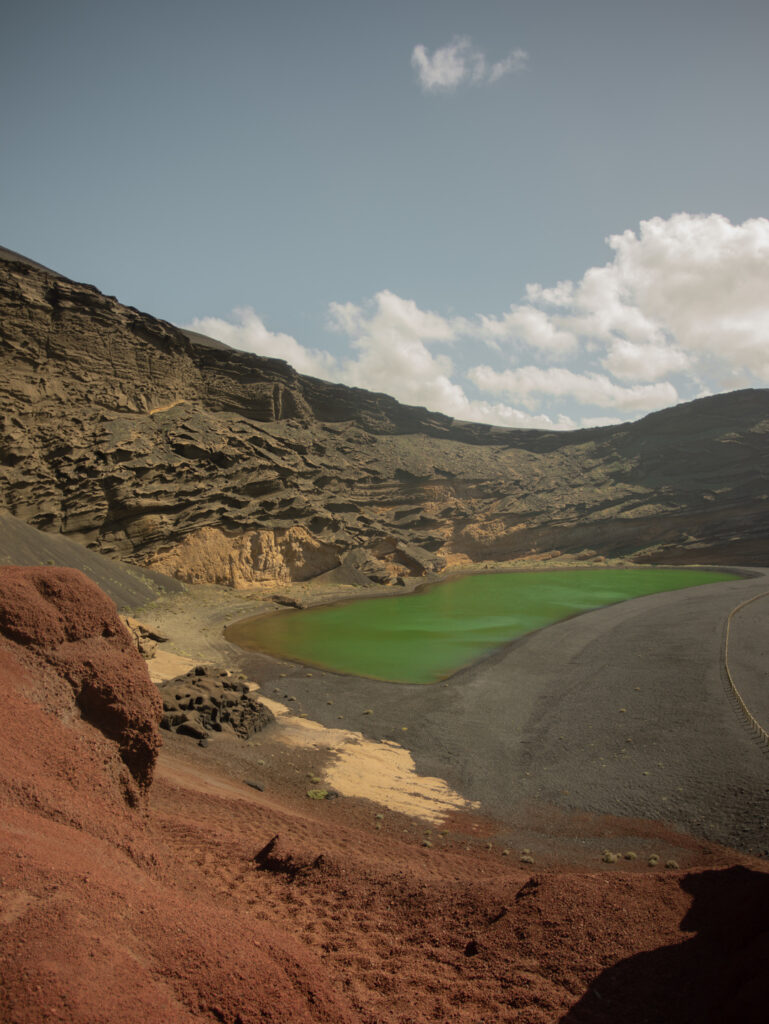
(680, 310)
(461, 63)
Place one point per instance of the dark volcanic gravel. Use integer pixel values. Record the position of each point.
(623, 711)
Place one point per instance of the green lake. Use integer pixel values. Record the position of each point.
(428, 635)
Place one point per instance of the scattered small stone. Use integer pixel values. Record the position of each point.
(505, 853)
(427, 843)
(314, 778)
(631, 855)
(526, 858)
(672, 864)
(329, 702)
(653, 860)
(368, 711)
(317, 794)
(203, 742)
(260, 760)
(609, 858)
(254, 785)
(378, 817)
(472, 948)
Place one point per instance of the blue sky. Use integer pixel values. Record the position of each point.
(389, 194)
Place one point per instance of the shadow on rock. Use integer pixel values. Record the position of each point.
(719, 976)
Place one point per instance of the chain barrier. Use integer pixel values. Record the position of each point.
(752, 721)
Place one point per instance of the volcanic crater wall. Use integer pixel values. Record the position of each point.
(169, 450)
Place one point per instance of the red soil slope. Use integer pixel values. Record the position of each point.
(124, 902)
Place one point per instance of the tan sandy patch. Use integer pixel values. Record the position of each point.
(166, 665)
(383, 772)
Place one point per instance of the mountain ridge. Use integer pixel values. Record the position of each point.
(214, 465)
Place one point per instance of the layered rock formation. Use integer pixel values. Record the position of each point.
(161, 448)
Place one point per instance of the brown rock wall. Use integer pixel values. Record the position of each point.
(120, 431)
(255, 556)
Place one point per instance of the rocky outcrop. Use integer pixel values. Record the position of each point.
(168, 450)
(201, 704)
(209, 555)
(58, 624)
(146, 639)
(102, 918)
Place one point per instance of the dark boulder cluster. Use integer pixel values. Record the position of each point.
(205, 701)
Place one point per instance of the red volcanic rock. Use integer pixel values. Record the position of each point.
(63, 620)
(213, 903)
(99, 922)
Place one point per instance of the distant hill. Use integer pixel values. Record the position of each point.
(174, 451)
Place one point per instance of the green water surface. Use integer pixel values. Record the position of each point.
(428, 635)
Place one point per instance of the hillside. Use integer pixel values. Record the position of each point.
(177, 453)
(155, 889)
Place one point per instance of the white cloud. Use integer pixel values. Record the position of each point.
(529, 326)
(515, 61)
(394, 317)
(561, 295)
(450, 66)
(687, 293)
(393, 337)
(681, 308)
(527, 382)
(249, 333)
(628, 360)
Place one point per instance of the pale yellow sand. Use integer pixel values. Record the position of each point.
(383, 772)
(167, 666)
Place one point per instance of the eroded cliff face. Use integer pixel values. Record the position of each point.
(126, 434)
(254, 556)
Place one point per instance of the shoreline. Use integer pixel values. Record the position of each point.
(461, 731)
(270, 613)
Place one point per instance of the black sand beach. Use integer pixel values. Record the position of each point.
(624, 711)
